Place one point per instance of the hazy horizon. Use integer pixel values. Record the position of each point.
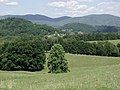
(58, 8)
(56, 16)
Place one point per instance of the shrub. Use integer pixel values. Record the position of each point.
(118, 45)
(56, 60)
(112, 50)
(22, 55)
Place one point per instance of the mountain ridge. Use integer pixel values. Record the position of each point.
(93, 19)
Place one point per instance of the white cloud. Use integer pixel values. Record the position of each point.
(85, 0)
(57, 4)
(2, 1)
(71, 0)
(8, 2)
(71, 5)
(84, 7)
(12, 3)
(106, 7)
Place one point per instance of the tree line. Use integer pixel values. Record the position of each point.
(27, 54)
(94, 36)
(77, 46)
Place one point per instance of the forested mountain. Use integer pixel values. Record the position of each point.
(79, 27)
(107, 28)
(102, 19)
(40, 19)
(17, 26)
(36, 17)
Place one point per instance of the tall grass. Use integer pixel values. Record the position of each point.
(87, 73)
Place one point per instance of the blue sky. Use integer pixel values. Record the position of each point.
(57, 8)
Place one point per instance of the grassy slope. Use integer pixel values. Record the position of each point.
(87, 73)
(112, 41)
(115, 41)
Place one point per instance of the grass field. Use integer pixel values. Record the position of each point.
(112, 41)
(115, 41)
(87, 73)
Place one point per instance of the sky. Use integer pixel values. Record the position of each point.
(57, 8)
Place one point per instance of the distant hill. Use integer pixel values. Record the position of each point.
(79, 27)
(18, 26)
(103, 19)
(100, 19)
(41, 19)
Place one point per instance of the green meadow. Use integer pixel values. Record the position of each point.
(112, 41)
(115, 41)
(86, 73)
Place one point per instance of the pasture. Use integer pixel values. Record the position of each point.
(86, 73)
(115, 41)
(112, 41)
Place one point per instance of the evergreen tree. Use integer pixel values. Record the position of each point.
(56, 60)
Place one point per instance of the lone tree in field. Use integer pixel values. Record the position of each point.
(56, 60)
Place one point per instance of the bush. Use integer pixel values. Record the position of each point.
(118, 45)
(22, 55)
(56, 60)
(112, 50)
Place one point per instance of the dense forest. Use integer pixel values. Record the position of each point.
(94, 36)
(74, 45)
(79, 27)
(17, 27)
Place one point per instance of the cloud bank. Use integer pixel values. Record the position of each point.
(85, 7)
(8, 2)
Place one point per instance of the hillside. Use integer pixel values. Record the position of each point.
(79, 27)
(76, 27)
(40, 19)
(17, 26)
(20, 26)
(102, 19)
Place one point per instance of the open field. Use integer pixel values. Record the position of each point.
(115, 41)
(112, 41)
(87, 73)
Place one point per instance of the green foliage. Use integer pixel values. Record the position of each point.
(22, 55)
(76, 27)
(118, 45)
(49, 42)
(56, 60)
(101, 49)
(17, 26)
(112, 50)
(107, 28)
(76, 46)
(106, 49)
(80, 27)
(94, 36)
